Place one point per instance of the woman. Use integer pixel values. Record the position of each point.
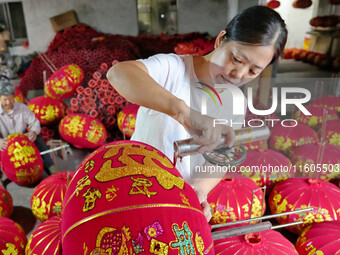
(164, 85)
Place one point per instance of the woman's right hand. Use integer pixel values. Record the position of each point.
(3, 144)
(204, 132)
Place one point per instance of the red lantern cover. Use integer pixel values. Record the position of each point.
(320, 238)
(12, 237)
(6, 203)
(331, 102)
(64, 81)
(46, 239)
(284, 139)
(317, 114)
(21, 160)
(126, 198)
(332, 132)
(264, 242)
(266, 167)
(126, 119)
(300, 193)
(231, 200)
(47, 110)
(82, 131)
(48, 196)
(19, 96)
(258, 145)
(305, 158)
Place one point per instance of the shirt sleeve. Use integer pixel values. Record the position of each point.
(32, 122)
(165, 69)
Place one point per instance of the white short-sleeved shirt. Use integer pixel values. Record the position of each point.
(176, 74)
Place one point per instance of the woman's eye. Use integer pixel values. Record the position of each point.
(252, 72)
(237, 60)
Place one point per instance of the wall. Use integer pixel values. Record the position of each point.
(109, 16)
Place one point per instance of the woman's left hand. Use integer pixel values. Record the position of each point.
(32, 136)
(202, 197)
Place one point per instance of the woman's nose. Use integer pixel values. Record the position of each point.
(237, 73)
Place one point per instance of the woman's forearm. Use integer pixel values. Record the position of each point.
(132, 81)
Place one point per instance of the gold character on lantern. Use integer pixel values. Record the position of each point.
(23, 154)
(75, 127)
(199, 243)
(111, 193)
(184, 199)
(39, 208)
(91, 196)
(49, 113)
(158, 247)
(11, 250)
(89, 166)
(95, 132)
(83, 182)
(140, 186)
(146, 160)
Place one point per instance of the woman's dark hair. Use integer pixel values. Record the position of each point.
(258, 25)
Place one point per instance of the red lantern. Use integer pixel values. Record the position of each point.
(126, 119)
(317, 114)
(300, 193)
(6, 203)
(47, 110)
(21, 160)
(320, 238)
(64, 81)
(82, 131)
(273, 4)
(264, 242)
(331, 102)
(285, 139)
(12, 237)
(46, 239)
(332, 132)
(48, 196)
(266, 167)
(231, 200)
(126, 198)
(258, 145)
(305, 158)
(19, 96)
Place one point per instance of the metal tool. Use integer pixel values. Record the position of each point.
(222, 155)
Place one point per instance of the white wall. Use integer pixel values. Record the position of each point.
(109, 16)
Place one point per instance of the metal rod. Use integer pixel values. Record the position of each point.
(261, 218)
(55, 149)
(287, 224)
(241, 230)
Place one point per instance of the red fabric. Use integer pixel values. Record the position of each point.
(21, 160)
(12, 237)
(63, 82)
(127, 197)
(6, 203)
(47, 110)
(330, 101)
(48, 196)
(264, 242)
(299, 193)
(19, 96)
(320, 238)
(82, 131)
(126, 119)
(270, 169)
(230, 200)
(332, 132)
(46, 239)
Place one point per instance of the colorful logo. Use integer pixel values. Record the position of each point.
(208, 92)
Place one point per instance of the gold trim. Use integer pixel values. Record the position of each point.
(126, 208)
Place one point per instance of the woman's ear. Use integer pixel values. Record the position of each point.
(219, 39)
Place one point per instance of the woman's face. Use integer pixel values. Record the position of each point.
(233, 63)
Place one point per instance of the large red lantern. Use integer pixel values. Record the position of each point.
(266, 167)
(305, 159)
(332, 132)
(331, 102)
(231, 200)
(21, 160)
(12, 237)
(126, 198)
(320, 238)
(264, 242)
(126, 119)
(284, 139)
(47, 110)
(82, 131)
(317, 115)
(19, 96)
(64, 81)
(6, 203)
(46, 239)
(300, 193)
(48, 196)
